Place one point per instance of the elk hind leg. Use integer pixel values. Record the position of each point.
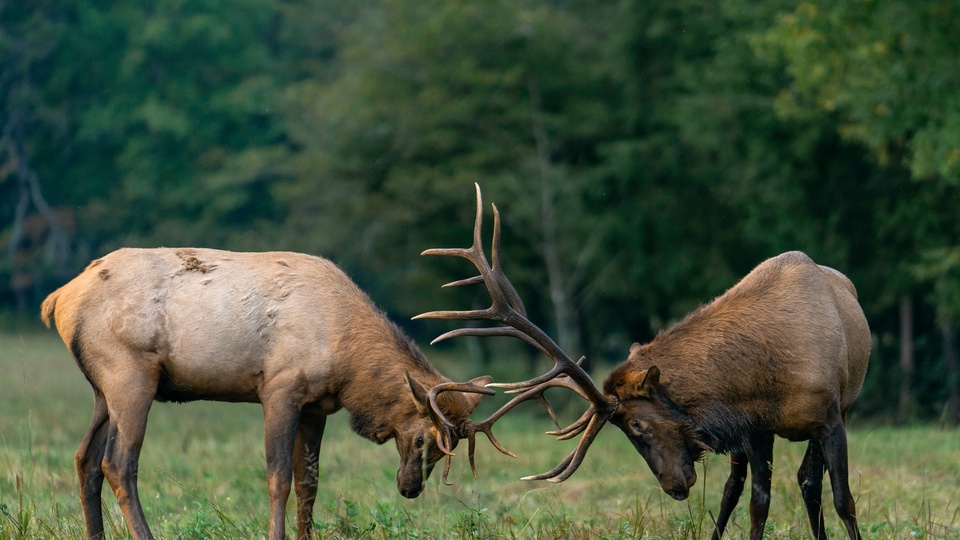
(129, 407)
(761, 472)
(89, 472)
(810, 478)
(306, 470)
(731, 491)
(834, 442)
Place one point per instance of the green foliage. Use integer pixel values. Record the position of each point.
(888, 72)
(890, 68)
(644, 155)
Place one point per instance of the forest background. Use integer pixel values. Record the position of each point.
(644, 155)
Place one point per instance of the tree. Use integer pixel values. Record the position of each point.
(29, 40)
(437, 95)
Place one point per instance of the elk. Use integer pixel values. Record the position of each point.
(783, 352)
(287, 330)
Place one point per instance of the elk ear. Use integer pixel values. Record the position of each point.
(651, 379)
(640, 383)
(636, 353)
(419, 393)
(474, 399)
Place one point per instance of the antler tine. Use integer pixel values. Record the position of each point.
(575, 428)
(495, 331)
(474, 253)
(572, 462)
(469, 281)
(509, 291)
(559, 369)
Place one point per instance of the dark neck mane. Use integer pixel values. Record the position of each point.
(707, 374)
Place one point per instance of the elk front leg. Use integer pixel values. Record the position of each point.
(88, 459)
(834, 442)
(810, 478)
(731, 491)
(306, 470)
(761, 471)
(280, 419)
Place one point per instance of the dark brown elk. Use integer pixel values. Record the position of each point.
(286, 330)
(783, 352)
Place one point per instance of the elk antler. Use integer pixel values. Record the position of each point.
(447, 429)
(508, 309)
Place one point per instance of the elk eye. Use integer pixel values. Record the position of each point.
(420, 441)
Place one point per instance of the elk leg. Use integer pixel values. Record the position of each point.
(306, 470)
(280, 420)
(88, 459)
(731, 491)
(761, 471)
(810, 478)
(834, 442)
(128, 408)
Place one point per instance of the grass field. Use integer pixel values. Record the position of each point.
(202, 476)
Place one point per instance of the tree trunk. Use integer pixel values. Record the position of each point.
(557, 283)
(57, 249)
(951, 413)
(905, 409)
(559, 286)
(21, 277)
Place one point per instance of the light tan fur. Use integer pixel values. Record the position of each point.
(287, 330)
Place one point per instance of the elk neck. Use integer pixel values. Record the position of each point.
(372, 359)
(721, 383)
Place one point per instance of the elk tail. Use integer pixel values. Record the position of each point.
(48, 307)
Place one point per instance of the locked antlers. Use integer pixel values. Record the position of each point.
(508, 310)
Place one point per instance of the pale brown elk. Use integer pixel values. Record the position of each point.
(783, 352)
(287, 330)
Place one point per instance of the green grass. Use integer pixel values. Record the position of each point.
(202, 476)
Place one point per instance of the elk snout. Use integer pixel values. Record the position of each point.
(411, 493)
(409, 487)
(411, 476)
(678, 486)
(677, 491)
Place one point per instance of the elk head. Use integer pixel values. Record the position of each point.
(508, 309)
(424, 439)
(655, 426)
